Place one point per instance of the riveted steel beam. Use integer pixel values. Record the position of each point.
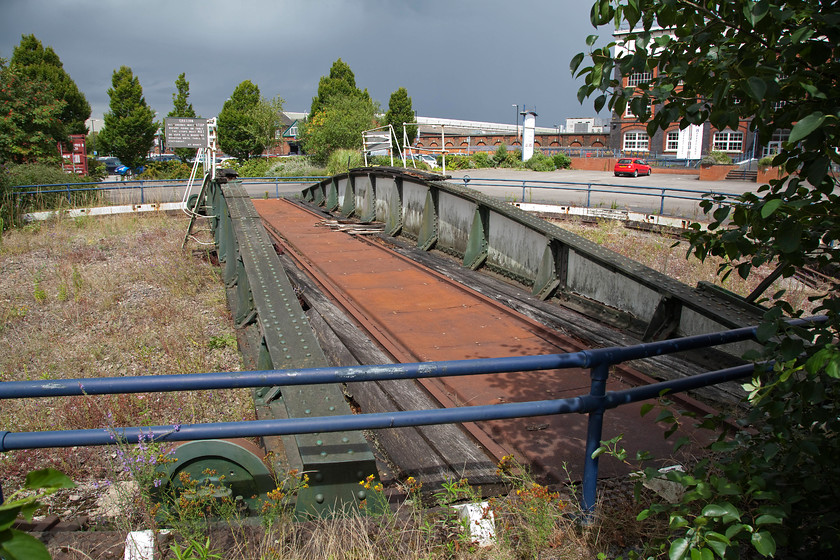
(264, 298)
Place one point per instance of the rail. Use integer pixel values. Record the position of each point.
(595, 403)
(589, 188)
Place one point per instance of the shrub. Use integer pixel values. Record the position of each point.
(540, 162)
(714, 158)
(295, 166)
(501, 156)
(766, 161)
(459, 162)
(562, 161)
(482, 159)
(254, 167)
(166, 170)
(340, 160)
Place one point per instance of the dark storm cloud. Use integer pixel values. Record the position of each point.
(457, 59)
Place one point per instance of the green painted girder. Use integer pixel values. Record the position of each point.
(428, 234)
(333, 460)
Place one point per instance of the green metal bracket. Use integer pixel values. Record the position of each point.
(348, 206)
(332, 196)
(316, 195)
(476, 252)
(547, 278)
(428, 234)
(393, 222)
(367, 212)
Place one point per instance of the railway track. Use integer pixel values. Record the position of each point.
(415, 314)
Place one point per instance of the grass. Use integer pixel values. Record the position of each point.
(113, 296)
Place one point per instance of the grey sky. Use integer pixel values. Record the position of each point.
(461, 59)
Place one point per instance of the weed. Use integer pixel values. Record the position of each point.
(195, 550)
(226, 340)
(278, 502)
(38, 291)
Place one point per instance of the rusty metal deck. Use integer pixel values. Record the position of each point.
(419, 315)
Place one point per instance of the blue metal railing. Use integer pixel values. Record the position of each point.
(595, 403)
(589, 188)
(143, 184)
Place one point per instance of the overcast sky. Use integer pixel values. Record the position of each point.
(459, 59)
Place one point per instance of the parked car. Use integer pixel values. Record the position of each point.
(424, 158)
(111, 164)
(631, 166)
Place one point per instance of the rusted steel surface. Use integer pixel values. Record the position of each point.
(419, 315)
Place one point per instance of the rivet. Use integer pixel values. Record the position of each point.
(307, 411)
(319, 498)
(323, 453)
(319, 442)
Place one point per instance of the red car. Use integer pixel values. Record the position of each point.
(631, 166)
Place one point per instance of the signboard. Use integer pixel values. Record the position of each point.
(74, 156)
(690, 143)
(185, 133)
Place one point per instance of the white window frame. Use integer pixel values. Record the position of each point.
(636, 78)
(672, 140)
(728, 141)
(636, 141)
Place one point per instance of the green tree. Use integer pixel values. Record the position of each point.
(130, 125)
(265, 120)
(30, 126)
(39, 63)
(400, 111)
(339, 114)
(236, 123)
(181, 107)
(338, 124)
(341, 82)
(774, 63)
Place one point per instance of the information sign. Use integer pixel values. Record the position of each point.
(185, 133)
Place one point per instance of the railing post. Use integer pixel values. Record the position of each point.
(142, 196)
(276, 189)
(523, 191)
(662, 203)
(597, 391)
(588, 193)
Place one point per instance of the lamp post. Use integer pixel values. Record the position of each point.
(516, 119)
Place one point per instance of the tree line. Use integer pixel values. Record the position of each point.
(43, 106)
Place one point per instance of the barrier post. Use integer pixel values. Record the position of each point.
(588, 193)
(662, 203)
(597, 392)
(142, 196)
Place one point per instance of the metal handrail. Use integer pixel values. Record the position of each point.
(639, 190)
(143, 184)
(595, 403)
